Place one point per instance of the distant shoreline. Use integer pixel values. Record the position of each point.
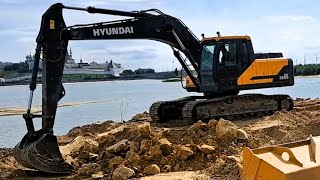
(154, 76)
(17, 83)
(309, 76)
(76, 81)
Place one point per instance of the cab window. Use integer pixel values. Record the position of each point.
(228, 54)
(207, 57)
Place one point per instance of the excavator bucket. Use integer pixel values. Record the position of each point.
(297, 160)
(41, 152)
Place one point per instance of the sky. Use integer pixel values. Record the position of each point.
(288, 26)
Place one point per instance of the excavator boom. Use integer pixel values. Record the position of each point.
(39, 149)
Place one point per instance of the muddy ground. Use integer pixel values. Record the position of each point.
(175, 150)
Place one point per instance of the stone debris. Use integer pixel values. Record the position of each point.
(206, 149)
(226, 130)
(241, 134)
(212, 123)
(135, 149)
(165, 146)
(122, 173)
(90, 146)
(151, 169)
(197, 126)
(119, 146)
(183, 152)
(115, 161)
(145, 145)
(73, 146)
(144, 128)
(98, 175)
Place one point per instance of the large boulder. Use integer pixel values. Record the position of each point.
(155, 152)
(242, 135)
(165, 146)
(226, 130)
(73, 147)
(206, 149)
(194, 147)
(197, 126)
(91, 146)
(111, 132)
(145, 145)
(122, 173)
(183, 152)
(87, 156)
(97, 175)
(119, 146)
(212, 123)
(115, 161)
(151, 169)
(78, 145)
(144, 128)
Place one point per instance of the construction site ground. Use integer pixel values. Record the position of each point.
(144, 149)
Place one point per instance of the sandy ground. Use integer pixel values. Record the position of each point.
(223, 162)
(12, 111)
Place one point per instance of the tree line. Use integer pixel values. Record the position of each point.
(306, 70)
(21, 67)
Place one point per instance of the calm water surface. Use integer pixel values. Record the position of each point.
(135, 96)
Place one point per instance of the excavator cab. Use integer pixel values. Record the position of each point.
(228, 64)
(223, 59)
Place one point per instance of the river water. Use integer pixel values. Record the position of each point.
(134, 96)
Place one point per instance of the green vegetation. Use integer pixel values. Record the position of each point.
(3, 73)
(8, 74)
(18, 67)
(306, 70)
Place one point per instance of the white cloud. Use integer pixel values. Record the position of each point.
(289, 18)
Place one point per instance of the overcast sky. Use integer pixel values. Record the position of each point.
(289, 26)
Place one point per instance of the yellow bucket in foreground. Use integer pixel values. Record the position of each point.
(297, 160)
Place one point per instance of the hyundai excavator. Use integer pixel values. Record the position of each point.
(217, 67)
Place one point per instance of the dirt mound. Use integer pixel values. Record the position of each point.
(140, 148)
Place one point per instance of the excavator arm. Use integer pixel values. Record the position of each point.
(39, 149)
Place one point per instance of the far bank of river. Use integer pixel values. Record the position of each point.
(93, 78)
(165, 76)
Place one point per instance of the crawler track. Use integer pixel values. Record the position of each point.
(164, 111)
(236, 107)
(194, 108)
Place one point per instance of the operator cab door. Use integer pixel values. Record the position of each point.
(207, 68)
(229, 64)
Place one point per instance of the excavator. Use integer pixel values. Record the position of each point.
(217, 67)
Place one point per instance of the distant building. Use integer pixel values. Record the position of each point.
(69, 61)
(114, 68)
(30, 61)
(71, 67)
(82, 64)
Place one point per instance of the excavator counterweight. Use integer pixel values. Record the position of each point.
(217, 67)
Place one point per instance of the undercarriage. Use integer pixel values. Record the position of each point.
(195, 108)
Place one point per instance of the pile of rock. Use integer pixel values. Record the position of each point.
(138, 149)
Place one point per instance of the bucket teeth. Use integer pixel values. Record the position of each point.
(43, 155)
